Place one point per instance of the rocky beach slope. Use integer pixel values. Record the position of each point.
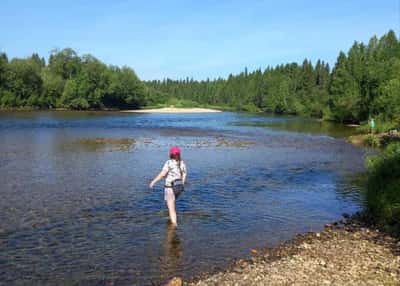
(345, 253)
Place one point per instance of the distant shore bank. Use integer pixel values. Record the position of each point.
(148, 110)
(173, 110)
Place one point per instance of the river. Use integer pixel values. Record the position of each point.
(76, 209)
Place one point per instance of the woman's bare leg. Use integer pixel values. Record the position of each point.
(172, 211)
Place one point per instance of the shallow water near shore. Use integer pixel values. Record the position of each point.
(75, 206)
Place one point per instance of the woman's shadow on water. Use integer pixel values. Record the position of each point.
(171, 262)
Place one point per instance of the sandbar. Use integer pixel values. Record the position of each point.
(173, 110)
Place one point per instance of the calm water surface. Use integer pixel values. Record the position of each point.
(78, 211)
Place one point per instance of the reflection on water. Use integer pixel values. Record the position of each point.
(308, 126)
(171, 261)
(72, 215)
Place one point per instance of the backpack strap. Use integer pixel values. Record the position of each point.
(180, 170)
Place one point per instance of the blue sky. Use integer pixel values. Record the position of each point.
(197, 39)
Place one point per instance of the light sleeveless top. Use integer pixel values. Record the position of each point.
(172, 168)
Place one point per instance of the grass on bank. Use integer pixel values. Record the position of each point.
(383, 189)
(380, 127)
(383, 134)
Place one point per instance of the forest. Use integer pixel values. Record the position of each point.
(363, 82)
(67, 81)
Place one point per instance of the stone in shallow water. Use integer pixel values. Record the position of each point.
(254, 251)
(176, 281)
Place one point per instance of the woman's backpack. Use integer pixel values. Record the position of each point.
(177, 184)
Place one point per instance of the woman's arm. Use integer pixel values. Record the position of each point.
(184, 178)
(184, 173)
(156, 179)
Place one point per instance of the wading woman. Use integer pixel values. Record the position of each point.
(174, 171)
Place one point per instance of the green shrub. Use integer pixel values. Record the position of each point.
(384, 127)
(372, 141)
(383, 188)
(8, 99)
(181, 103)
(380, 127)
(249, 108)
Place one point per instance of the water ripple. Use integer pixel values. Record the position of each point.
(85, 217)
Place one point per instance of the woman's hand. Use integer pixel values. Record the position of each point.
(151, 185)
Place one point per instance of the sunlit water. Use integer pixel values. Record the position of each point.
(73, 213)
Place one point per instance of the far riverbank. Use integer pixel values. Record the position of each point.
(148, 110)
(173, 110)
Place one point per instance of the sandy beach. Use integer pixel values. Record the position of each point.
(173, 110)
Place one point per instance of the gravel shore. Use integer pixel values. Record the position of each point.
(345, 253)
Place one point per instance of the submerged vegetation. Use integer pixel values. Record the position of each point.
(106, 144)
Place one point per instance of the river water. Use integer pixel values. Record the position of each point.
(75, 206)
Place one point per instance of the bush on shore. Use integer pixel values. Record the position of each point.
(381, 127)
(383, 189)
(372, 141)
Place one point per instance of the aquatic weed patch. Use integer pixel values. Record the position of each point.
(221, 141)
(225, 142)
(106, 144)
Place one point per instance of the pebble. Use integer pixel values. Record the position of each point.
(254, 251)
(176, 281)
(348, 255)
